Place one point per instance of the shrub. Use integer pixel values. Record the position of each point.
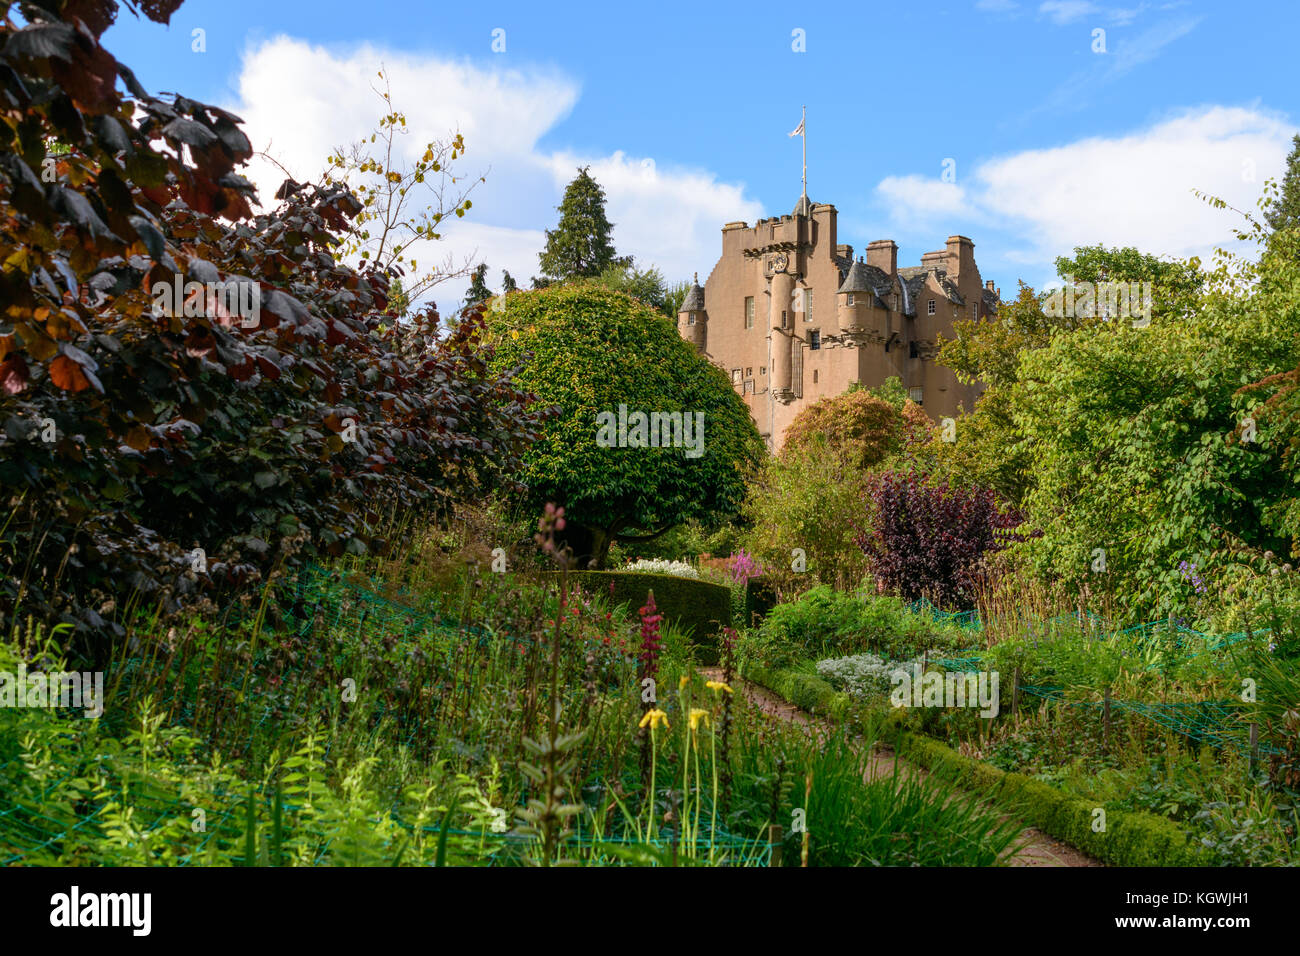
(929, 540)
(806, 506)
(859, 429)
(864, 675)
(825, 623)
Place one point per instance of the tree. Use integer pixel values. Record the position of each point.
(674, 296)
(478, 290)
(403, 206)
(581, 245)
(646, 284)
(1175, 284)
(164, 447)
(507, 282)
(988, 449)
(603, 359)
(859, 429)
(1284, 211)
(1147, 452)
(804, 512)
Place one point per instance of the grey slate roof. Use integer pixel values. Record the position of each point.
(911, 287)
(694, 301)
(803, 207)
(857, 280)
(991, 301)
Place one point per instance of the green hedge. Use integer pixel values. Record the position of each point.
(804, 690)
(759, 599)
(1131, 838)
(701, 607)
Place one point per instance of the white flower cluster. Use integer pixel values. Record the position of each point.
(863, 675)
(659, 566)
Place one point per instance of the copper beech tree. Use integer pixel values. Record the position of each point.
(165, 447)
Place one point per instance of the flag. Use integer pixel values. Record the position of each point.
(798, 129)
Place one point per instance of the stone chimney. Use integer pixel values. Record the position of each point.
(961, 257)
(883, 254)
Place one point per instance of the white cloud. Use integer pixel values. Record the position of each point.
(1129, 190)
(1067, 11)
(303, 100)
(917, 202)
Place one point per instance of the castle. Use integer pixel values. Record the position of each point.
(793, 318)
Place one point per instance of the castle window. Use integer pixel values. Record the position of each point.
(915, 395)
(762, 371)
(849, 301)
(929, 309)
(974, 311)
(749, 311)
(784, 316)
(749, 373)
(914, 353)
(735, 375)
(814, 340)
(690, 319)
(807, 306)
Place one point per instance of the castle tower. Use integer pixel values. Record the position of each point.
(854, 306)
(692, 319)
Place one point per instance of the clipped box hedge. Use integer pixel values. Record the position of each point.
(760, 598)
(1131, 838)
(700, 607)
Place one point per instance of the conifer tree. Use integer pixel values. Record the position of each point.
(580, 246)
(478, 290)
(1285, 211)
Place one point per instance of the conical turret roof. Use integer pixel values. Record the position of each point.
(858, 279)
(694, 301)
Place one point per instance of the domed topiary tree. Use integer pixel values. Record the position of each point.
(648, 434)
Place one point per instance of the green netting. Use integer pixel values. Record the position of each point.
(1221, 724)
(1218, 723)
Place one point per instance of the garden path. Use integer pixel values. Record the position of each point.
(1035, 848)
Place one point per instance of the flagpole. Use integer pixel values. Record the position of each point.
(803, 117)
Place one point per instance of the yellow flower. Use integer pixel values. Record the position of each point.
(681, 684)
(717, 685)
(697, 715)
(654, 718)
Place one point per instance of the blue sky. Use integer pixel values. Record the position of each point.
(683, 110)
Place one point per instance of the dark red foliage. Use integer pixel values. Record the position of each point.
(928, 539)
(129, 439)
